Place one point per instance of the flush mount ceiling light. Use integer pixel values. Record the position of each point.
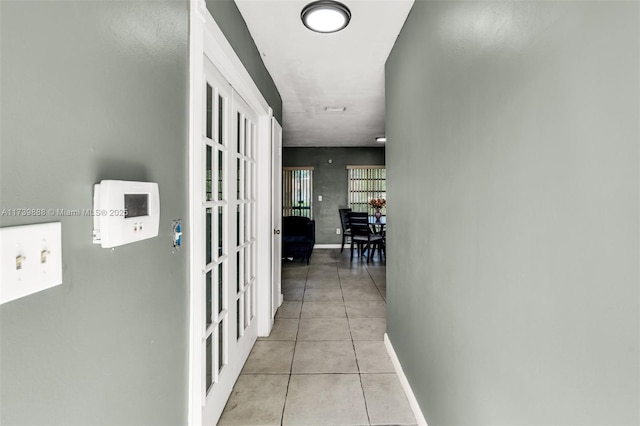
(325, 16)
(381, 139)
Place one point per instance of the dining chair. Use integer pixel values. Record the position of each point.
(363, 236)
(346, 229)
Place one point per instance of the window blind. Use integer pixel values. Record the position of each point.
(365, 183)
(297, 191)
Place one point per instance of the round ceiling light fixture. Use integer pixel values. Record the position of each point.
(325, 16)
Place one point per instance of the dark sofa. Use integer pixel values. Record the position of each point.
(298, 237)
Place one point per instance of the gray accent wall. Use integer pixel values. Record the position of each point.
(90, 91)
(232, 24)
(513, 180)
(331, 181)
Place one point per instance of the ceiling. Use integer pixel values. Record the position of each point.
(314, 71)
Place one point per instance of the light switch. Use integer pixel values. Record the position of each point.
(30, 259)
(319, 197)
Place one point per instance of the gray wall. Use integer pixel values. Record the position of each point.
(330, 181)
(91, 91)
(513, 162)
(232, 24)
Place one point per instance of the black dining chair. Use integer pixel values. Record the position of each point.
(346, 229)
(363, 236)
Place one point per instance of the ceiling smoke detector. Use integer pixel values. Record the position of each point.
(325, 16)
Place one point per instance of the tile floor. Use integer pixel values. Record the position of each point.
(325, 362)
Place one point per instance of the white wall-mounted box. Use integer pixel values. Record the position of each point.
(30, 259)
(125, 212)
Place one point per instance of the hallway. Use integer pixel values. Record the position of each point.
(325, 361)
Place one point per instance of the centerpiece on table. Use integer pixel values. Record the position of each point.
(377, 203)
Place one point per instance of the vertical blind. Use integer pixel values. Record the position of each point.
(297, 194)
(365, 183)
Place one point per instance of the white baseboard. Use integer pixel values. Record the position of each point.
(327, 246)
(413, 402)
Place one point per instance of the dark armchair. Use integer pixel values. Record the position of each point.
(298, 237)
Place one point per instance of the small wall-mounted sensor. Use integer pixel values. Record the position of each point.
(176, 230)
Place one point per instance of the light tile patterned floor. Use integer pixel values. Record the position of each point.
(325, 362)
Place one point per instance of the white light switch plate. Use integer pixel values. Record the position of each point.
(30, 259)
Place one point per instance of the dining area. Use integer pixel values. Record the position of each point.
(364, 232)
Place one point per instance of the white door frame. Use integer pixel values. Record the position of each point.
(205, 37)
(276, 215)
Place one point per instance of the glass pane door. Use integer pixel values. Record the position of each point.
(245, 207)
(214, 209)
(227, 208)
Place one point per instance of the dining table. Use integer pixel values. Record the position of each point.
(378, 225)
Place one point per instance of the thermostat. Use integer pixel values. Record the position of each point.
(125, 212)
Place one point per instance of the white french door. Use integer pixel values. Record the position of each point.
(245, 295)
(229, 181)
(227, 254)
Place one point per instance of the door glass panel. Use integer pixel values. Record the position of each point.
(237, 271)
(220, 231)
(208, 236)
(239, 128)
(220, 289)
(208, 301)
(246, 136)
(238, 225)
(220, 346)
(209, 177)
(220, 175)
(209, 369)
(238, 326)
(209, 123)
(239, 180)
(221, 120)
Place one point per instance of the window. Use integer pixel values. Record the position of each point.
(297, 194)
(365, 183)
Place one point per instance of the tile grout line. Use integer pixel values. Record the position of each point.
(376, 285)
(366, 266)
(295, 344)
(355, 353)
